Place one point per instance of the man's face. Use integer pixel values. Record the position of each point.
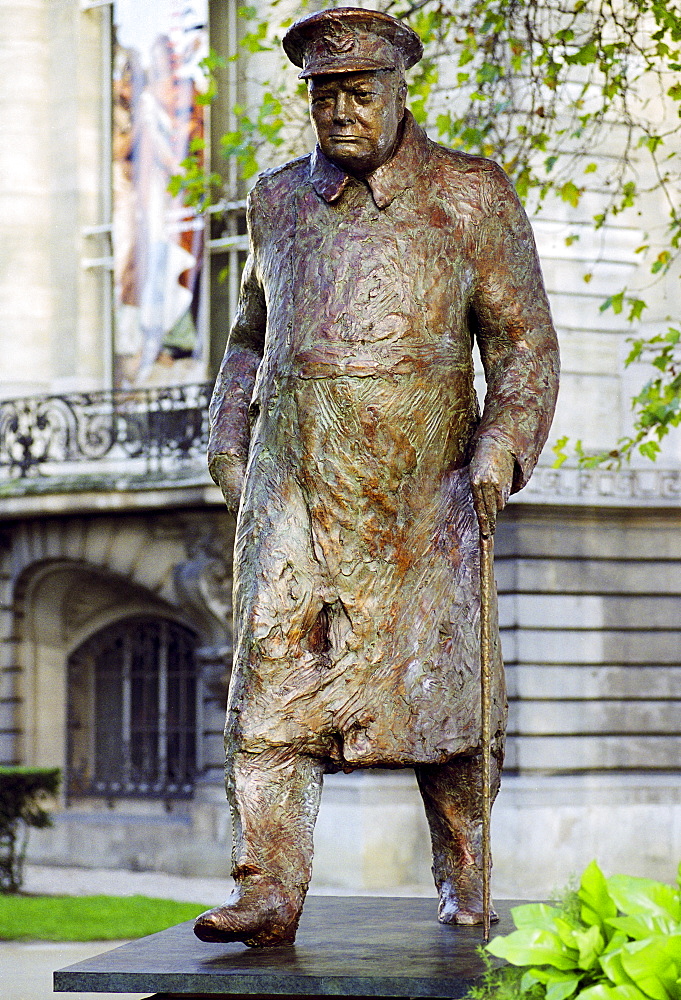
(357, 117)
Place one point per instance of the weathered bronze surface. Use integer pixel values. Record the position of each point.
(345, 430)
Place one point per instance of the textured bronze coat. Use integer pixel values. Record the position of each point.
(347, 388)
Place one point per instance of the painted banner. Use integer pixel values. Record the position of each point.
(159, 296)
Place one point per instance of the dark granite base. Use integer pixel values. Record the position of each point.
(356, 946)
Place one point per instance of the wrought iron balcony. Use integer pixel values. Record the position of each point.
(134, 432)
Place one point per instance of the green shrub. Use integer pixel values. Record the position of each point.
(617, 938)
(23, 795)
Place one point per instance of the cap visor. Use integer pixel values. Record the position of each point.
(325, 67)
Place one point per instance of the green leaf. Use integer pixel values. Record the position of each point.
(597, 903)
(253, 41)
(611, 964)
(443, 124)
(535, 914)
(563, 990)
(628, 195)
(487, 73)
(635, 352)
(567, 933)
(614, 302)
(529, 980)
(570, 193)
(662, 262)
(590, 944)
(651, 142)
(587, 54)
(605, 992)
(634, 895)
(636, 307)
(558, 450)
(213, 61)
(650, 450)
(559, 985)
(533, 947)
(655, 965)
(643, 925)
(249, 165)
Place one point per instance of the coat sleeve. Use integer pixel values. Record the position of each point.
(228, 411)
(512, 322)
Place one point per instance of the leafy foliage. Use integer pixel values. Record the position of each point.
(199, 187)
(24, 792)
(657, 406)
(623, 943)
(501, 983)
(578, 99)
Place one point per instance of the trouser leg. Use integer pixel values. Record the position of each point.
(274, 798)
(452, 796)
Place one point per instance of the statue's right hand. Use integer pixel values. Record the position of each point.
(228, 471)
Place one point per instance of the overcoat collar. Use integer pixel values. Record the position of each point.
(387, 181)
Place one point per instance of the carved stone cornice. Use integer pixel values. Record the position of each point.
(203, 582)
(646, 487)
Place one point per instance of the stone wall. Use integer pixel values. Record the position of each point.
(64, 578)
(589, 603)
(52, 114)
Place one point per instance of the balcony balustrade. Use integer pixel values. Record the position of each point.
(131, 432)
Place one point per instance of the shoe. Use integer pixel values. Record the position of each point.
(461, 901)
(260, 912)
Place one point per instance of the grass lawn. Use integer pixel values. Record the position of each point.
(89, 918)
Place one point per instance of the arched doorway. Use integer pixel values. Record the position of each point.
(132, 711)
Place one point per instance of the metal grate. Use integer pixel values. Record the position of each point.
(132, 726)
(143, 430)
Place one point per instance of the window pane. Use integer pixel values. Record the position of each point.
(159, 300)
(132, 711)
(109, 760)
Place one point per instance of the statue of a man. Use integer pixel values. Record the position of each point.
(345, 431)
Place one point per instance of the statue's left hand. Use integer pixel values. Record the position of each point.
(491, 473)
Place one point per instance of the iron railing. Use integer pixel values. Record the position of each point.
(143, 431)
(133, 712)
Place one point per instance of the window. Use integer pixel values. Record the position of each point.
(227, 242)
(170, 279)
(132, 714)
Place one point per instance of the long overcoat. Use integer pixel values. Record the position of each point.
(347, 390)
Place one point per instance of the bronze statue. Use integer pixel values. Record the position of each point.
(345, 431)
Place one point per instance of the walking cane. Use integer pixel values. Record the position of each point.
(486, 587)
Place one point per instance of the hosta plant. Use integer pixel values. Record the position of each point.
(617, 938)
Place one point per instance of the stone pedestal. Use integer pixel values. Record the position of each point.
(354, 946)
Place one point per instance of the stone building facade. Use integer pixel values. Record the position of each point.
(115, 550)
